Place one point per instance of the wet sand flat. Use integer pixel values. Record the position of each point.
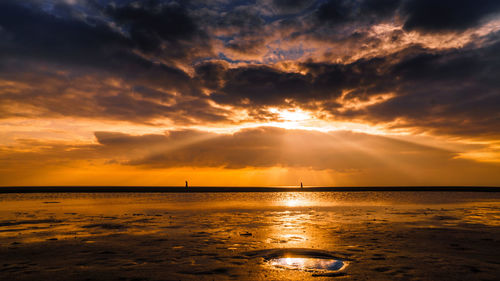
(250, 236)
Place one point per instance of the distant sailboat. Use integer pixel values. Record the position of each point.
(301, 185)
(186, 184)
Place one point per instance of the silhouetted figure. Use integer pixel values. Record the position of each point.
(186, 184)
(301, 186)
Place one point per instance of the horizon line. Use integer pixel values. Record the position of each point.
(194, 189)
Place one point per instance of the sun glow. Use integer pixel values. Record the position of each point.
(299, 119)
(293, 203)
(295, 115)
(293, 119)
(295, 200)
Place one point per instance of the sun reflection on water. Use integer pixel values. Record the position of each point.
(293, 203)
(295, 199)
(308, 264)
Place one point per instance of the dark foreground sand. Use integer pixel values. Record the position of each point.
(225, 236)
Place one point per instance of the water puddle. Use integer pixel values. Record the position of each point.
(319, 262)
(308, 264)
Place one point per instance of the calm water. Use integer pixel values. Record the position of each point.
(296, 236)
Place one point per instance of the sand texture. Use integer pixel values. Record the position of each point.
(249, 236)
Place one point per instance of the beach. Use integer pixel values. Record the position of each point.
(363, 235)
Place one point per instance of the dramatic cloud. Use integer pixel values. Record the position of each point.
(431, 90)
(166, 29)
(340, 152)
(269, 147)
(336, 12)
(447, 15)
(420, 68)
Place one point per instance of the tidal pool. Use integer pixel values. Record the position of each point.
(308, 264)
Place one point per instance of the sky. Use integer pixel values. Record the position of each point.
(250, 93)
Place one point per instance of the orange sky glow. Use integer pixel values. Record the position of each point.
(258, 95)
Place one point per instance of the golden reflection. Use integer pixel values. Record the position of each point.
(291, 227)
(295, 199)
(308, 263)
(293, 202)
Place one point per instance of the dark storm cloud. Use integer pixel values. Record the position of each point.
(422, 15)
(55, 55)
(344, 24)
(259, 85)
(72, 43)
(455, 91)
(292, 6)
(263, 85)
(246, 45)
(211, 74)
(243, 29)
(34, 34)
(158, 27)
(381, 8)
(431, 89)
(336, 12)
(140, 61)
(447, 15)
(46, 92)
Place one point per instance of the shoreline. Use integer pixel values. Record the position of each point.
(204, 189)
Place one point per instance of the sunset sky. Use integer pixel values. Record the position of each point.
(250, 93)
